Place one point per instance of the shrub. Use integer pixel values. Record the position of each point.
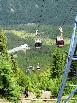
(8, 83)
(58, 63)
(9, 87)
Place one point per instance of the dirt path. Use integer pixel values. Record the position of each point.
(43, 98)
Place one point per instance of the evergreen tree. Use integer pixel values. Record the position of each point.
(8, 82)
(22, 79)
(2, 42)
(58, 62)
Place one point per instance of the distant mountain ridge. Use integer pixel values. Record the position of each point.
(55, 12)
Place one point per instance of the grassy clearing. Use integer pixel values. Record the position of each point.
(17, 36)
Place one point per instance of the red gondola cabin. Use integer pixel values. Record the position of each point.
(60, 41)
(38, 43)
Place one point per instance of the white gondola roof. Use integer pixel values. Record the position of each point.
(38, 41)
(59, 38)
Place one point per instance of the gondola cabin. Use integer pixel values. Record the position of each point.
(38, 43)
(38, 67)
(60, 41)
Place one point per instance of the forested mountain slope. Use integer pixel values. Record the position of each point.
(55, 12)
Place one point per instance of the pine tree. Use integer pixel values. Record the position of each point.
(58, 62)
(22, 78)
(8, 82)
(2, 42)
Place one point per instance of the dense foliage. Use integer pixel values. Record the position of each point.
(8, 84)
(58, 63)
(49, 78)
(55, 12)
(2, 43)
(11, 81)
